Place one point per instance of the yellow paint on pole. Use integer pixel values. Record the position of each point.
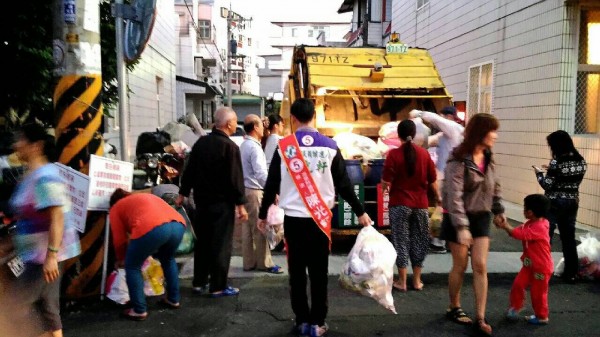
(78, 117)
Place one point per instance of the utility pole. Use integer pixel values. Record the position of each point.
(122, 80)
(78, 114)
(229, 50)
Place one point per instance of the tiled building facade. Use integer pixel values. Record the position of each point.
(533, 64)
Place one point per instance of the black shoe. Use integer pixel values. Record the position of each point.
(437, 249)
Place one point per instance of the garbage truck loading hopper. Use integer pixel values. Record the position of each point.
(360, 89)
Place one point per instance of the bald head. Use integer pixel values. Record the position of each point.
(253, 126)
(226, 120)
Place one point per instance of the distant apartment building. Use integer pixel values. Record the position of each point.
(371, 22)
(202, 57)
(533, 64)
(275, 66)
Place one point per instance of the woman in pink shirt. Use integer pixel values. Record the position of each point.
(143, 225)
(408, 174)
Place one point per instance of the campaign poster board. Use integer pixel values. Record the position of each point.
(106, 175)
(77, 186)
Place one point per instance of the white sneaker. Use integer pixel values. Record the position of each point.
(317, 331)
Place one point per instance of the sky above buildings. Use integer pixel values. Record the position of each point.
(263, 12)
(293, 11)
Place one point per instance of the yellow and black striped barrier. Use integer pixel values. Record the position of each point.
(78, 107)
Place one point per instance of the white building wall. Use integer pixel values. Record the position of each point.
(151, 101)
(529, 43)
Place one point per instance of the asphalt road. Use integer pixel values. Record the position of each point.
(262, 309)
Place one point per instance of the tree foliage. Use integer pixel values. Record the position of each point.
(27, 82)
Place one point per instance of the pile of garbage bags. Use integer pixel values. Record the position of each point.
(588, 252)
(369, 269)
(354, 146)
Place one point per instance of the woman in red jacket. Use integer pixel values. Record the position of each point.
(143, 225)
(408, 173)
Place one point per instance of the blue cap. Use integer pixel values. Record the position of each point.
(449, 110)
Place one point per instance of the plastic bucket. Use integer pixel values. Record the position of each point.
(355, 172)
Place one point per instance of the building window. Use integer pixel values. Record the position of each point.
(587, 101)
(481, 79)
(421, 3)
(315, 30)
(294, 32)
(204, 29)
(249, 42)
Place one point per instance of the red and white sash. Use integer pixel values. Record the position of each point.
(296, 165)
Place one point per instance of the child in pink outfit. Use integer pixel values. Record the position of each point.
(537, 260)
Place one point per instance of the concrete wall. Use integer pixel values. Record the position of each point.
(532, 46)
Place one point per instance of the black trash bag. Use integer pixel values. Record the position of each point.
(152, 142)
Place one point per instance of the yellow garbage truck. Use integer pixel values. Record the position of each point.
(360, 89)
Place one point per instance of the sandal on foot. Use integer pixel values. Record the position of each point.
(134, 316)
(458, 316)
(512, 314)
(398, 287)
(483, 328)
(229, 291)
(536, 321)
(165, 303)
(274, 270)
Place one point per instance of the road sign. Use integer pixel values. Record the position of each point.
(138, 30)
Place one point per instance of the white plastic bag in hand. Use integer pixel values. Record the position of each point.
(369, 269)
(275, 215)
(274, 229)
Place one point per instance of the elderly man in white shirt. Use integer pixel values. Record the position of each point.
(255, 249)
(452, 136)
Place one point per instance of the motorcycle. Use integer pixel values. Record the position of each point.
(11, 264)
(153, 169)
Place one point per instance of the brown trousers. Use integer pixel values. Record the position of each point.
(255, 249)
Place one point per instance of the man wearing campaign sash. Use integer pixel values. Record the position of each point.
(306, 171)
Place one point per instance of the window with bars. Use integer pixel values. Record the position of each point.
(204, 29)
(481, 80)
(587, 100)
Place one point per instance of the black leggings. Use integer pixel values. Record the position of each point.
(563, 214)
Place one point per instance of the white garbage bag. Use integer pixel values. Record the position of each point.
(369, 269)
(588, 252)
(352, 145)
(388, 134)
